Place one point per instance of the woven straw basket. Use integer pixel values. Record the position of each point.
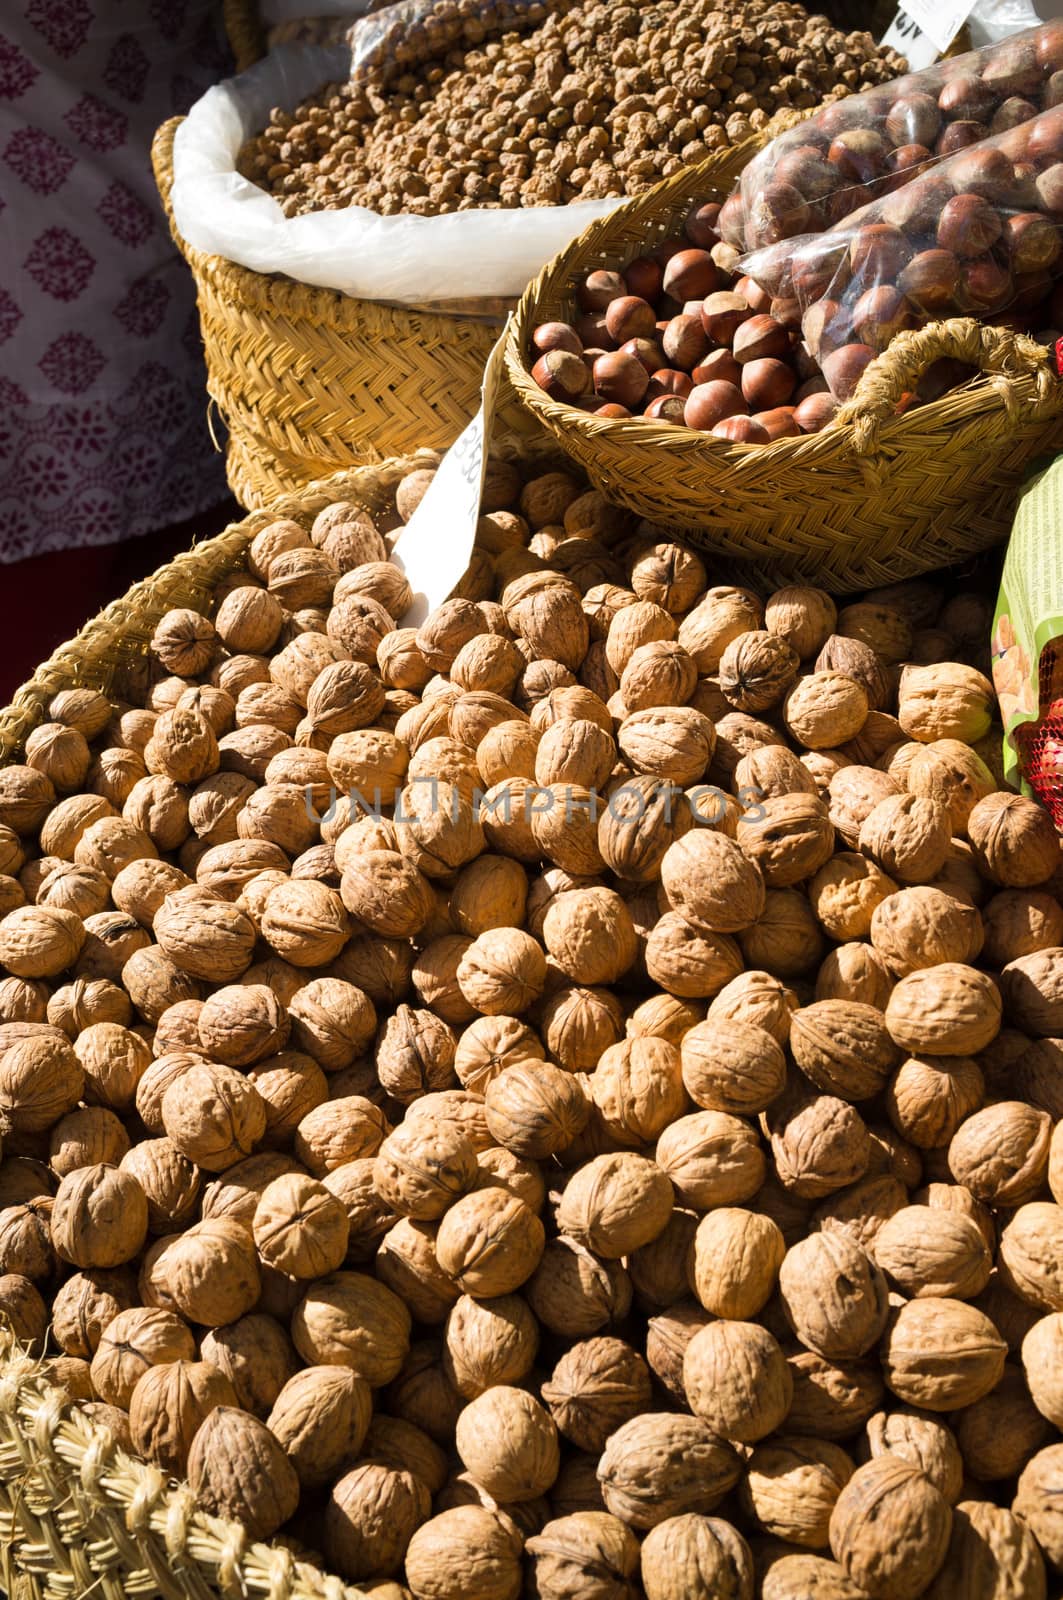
(310, 381)
(77, 1515)
(245, 32)
(876, 498)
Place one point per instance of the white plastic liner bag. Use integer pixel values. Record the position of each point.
(406, 260)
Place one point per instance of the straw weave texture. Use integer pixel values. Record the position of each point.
(245, 32)
(309, 381)
(875, 498)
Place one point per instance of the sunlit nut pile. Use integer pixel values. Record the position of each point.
(591, 99)
(561, 1100)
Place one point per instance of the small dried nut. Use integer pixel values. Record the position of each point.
(573, 1293)
(853, 792)
(941, 1354)
(819, 1143)
(1014, 840)
(907, 835)
(923, 1441)
(60, 753)
(213, 1115)
(534, 1109)
(320, 1419)
(890, 1529)
(674, 743)
(26, 1245)
(843, 1047)
(305, 922)
(86, 1137)
(466, 1550)
(238, 1470)
(825, 709)
(736, 1379)
(950, 771)
(169, 1180)
(488, 1342)
(638, 1089)
(350, 1320)
(929, 1097)
(932, 1252)
(735, 1262)
(508, 1442)
(590, 934)
(855, 972)
(339, 1131)
(85, 1305)
(26, 797)
(209, 1274)
(846, 892)
(41, 1079)
(1030, 1254)
(241, 1024)
(990, 1550)
(616, 1203)
(332, 1021)
(184, 642)
(372, 1513)
(733, 1066)
(386, 893)
(802, 615)
(490, 1243)
(300, 1228)
(489, 1045)
(922, 927)
(62, 829)
(421, 1170)
(711, 1159)
(945, 701)
(169, 1404)
(100, 1217)
(1037, 1499)
(597, 1386)
(24, 1311)
(946, 1010)
(756, 669)
(661, 1465)
(502, 972)
(133, 1341)
(834, 1296)
(711, 883)
(792, 1487)
(40, 941)
(588, 1553)
(1001, 1153)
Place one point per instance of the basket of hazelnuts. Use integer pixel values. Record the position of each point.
(829, 356)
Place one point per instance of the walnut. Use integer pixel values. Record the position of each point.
(820, 1144)
(213, 1115)
(1030, 1254)
(688, 962)
(534, 1109)
(832, 1400)
(949, 1009)
(170, 1182)
(615, 1203)
(26, 797)
(502, 972)
(1041, 1350)
(509, 1443)
(100, 1217)
(588, 1553)
(674, 743)
(61, 754)
(242, 1024)
(712, 1159)
(87, 710)
(40, 941)
(736, 1067)
(949, 770)
(350, 1320)
(932, 1252)
(736, 1380)
(945, 701)
(209, 1274)
(1014, 840)
(387, 893)
(342, 1130)
(133, 1341)
(490, 892)
(834, 1296)
(468, 1550)
(846, 892)
(85, 1305)
(735, 1261)
(785, 940)
(660, 1465)
(853, 793)
(490, 1243)
(989, 1549)
(824, 709)
(41, 1079)
(574, 1293)
(420, 1171)
(169, 1404)
(26, 1245)
(711, 883)
(300, 1228)
(843, 1047)
(1001, 1153)
(372, 1514)
(922, 1441)
(855, 972)
(907, 836)
(24, 1312)
(660, 673)
(489, 1045)
(941, 1354)
(720, 616)
(237, 1469)
(249, 619)
(929, 1098)
(792, 1487)
(638, 1089)
(802, 615)
(890, 1528)
(589, 933)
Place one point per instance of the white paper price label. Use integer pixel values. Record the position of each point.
(923, 29)
(436, 544)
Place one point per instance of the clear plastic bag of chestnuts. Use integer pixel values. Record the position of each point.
(977, 235)
(867, 146)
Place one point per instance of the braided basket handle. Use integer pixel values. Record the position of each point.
(997, 353)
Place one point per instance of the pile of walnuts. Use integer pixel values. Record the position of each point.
(509, 104)
(561, 1100)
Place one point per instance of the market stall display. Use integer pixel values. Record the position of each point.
(521, 1097)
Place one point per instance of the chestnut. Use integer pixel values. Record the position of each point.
(930, 280)
(709, 403)
(815, 411)
(666, 380)
(561, 375)
(1053, 91)
(767, 383)
(817, 266)
(901, 161)
(691, 274)
(778, 211)
(843, 115)
(879, 314)
(756, 298)
(591, 355)
(722, 314)
(779, 422)
(787, 312)
(630, 318)
(1011, 114)
(982, 170)
(718, 365)
(877, 254)
(859, 155)
(643, 277)
(915, 208)
(684, 342)
(1032, 242)
(760, 336)
(599, 290)
(969, 226)
(1048, 47)
(957, 136)
(667, 408)
(985, 284)
(826, 327)
(1050, 189)
(913, 119)
(702, 225)
(726, 257)
(620, 377)
(806, 170)
(1012, 68)
(844, 368)
(593, 332)
(611, 409)
(816, 385)
(557, 336)
(731, 222)
(648, 351)
(966, 98)
(741, 430)
(1044, 136)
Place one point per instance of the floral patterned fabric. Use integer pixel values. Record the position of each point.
(103, 406)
